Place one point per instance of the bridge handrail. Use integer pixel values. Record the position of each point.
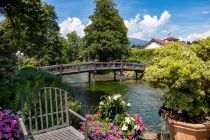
(84, 66)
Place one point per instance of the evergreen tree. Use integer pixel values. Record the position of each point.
(106, 37)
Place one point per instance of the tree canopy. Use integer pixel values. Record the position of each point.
(33, 29)
(106, 36)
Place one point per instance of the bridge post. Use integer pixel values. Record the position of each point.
(136, 75)
(115, 75)
(89, 77)
(121, 73)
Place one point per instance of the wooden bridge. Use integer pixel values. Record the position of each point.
(93, 67)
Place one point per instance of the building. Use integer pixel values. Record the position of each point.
(157, 43)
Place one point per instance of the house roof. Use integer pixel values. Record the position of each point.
(165, 41)
(172, 38)
(159, 41)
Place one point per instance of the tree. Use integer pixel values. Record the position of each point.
(74, 42)
(36, 31)
(184, 74)
(7, 67)
(106, 37)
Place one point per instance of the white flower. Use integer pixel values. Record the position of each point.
(129, 104)
(136, 127)
(101, 103)
(22, 54)
(109, 97)
(123, 102)
(17, 53)
(124, 128)
(127, 120)
(116, 96)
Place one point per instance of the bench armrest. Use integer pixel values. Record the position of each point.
(23, 128)
(83, 119)
(76, 114)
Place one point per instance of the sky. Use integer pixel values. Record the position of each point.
(145, 19)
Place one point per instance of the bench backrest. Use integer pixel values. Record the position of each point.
(45, 110)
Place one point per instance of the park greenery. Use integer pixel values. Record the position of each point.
(183, 71)
(29, 38)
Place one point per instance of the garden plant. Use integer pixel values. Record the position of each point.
(112, 122)
(186, 76)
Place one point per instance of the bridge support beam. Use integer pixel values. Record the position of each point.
(121, 73)
(115, 75)
(89, 77)
(136, 75)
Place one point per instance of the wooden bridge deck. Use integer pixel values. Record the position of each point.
(65, 69)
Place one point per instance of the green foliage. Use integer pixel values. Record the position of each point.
(184, 74)
(73, 48)
(202, 49)
(33, 29)
(7, 67)
(112, 105)
(142, 56)
(29, 79)
(106, 37)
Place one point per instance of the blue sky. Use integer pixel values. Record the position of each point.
(184, 18)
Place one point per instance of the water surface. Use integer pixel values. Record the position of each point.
(145, 99)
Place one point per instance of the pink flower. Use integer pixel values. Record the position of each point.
(88, 116)
(111, 124)
(111, 137)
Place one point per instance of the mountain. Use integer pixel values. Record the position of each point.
(135, 41)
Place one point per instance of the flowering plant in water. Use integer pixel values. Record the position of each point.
(119, 126)
(9, 127)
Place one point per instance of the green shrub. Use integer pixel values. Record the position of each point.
(30, 79)
(202, 49)
(142, 56)
(184, 74)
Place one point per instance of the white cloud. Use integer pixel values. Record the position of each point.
(147, 27)
(196, 36)
(137, 28)
(70, 25)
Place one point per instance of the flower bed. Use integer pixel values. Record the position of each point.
(112, 122)
(9, 127)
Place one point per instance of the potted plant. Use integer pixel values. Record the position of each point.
(186, 104)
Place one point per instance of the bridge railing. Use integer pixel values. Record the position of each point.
(93, 66)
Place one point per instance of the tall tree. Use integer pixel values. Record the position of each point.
(36, 31)
(106, 37)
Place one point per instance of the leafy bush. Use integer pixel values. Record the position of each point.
(9, 127)
(142, 56)
(184, 74)
(202, 49)
(112, 122)
(30, 79)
